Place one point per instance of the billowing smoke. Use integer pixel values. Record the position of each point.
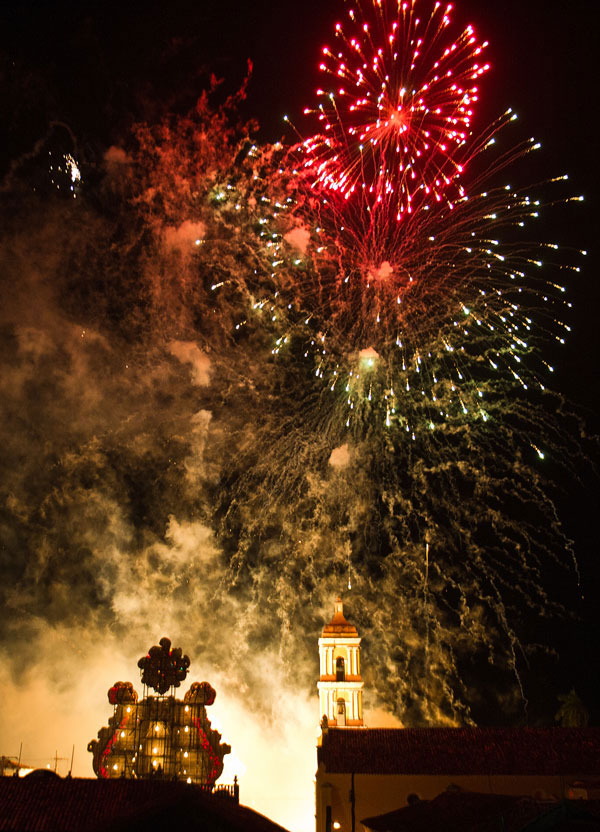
(170, 466)
(116, 438)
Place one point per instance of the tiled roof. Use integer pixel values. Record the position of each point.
(461, 750)
(472, 812)
(80, 805)
(339, 625)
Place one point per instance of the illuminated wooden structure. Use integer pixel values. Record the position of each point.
(160, 736)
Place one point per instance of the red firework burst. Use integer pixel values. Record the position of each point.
(395, 125)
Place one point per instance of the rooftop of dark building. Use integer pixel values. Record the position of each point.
(507, 751)
(50, 803)
(461, 811)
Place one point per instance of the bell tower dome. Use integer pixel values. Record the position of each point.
(340, 685)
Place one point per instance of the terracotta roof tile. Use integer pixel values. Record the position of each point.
(83, 805)
(461, 750)
(339, 625)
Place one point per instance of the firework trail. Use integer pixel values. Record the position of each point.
(419, 304)
(378, 391)
(304, 392)
(409, 314)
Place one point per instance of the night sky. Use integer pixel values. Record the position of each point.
(98, 67)
(89, 444)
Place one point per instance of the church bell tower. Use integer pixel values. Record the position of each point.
(340, 685)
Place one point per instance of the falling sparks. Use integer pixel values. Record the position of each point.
(452, 287)
(357, 337)
(413, 326)
(65, 173)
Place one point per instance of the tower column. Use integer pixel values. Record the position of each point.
(340, 641)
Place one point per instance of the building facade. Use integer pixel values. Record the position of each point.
(364, 772)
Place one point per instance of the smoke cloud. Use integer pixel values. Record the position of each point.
(111, 449)
(172, 466)
(340, 457)
(189, 353)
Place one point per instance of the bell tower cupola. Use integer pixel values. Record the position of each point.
(340, 684)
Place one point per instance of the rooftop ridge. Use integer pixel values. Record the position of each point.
(461, 750)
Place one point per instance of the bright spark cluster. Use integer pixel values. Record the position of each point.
(404, 324)
(396, 111)
(66, 173)
(455, 299)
